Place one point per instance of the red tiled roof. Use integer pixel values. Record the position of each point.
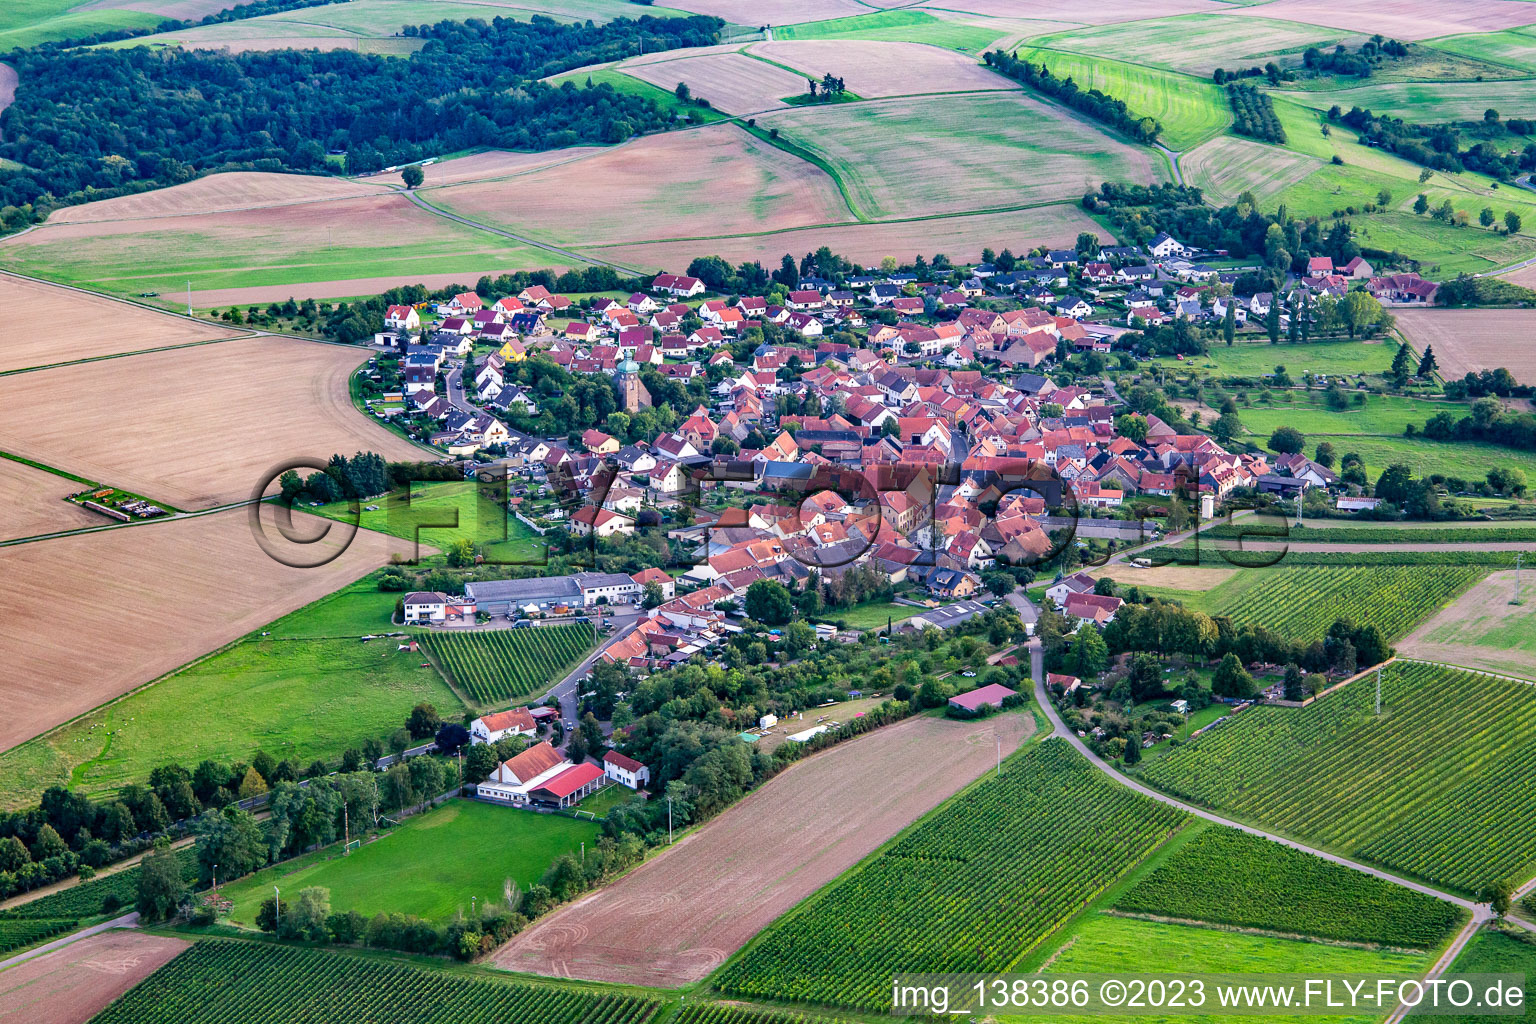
(618, 760)
(570, 780)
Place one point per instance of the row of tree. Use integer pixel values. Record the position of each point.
(1253, 114)
(1113, 112)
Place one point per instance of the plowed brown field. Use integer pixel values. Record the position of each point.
(73, 984)
(678, 917)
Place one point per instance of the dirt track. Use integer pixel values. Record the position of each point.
(676, 918)
(73, 984)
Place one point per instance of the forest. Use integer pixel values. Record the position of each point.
(91, 124)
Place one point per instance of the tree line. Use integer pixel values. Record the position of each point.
(1435, 146)
(92, 123)
(1253, 113)
(1097, 105)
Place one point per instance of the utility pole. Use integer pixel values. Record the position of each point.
(669, 819)
(583, 853)
(1378, 691)
(999, 756)
(215, 879)
(1519, 556)
(189, 298)
(277, 905)
(346, 829)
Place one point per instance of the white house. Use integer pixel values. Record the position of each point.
(1165, 245)
(490, 728)
(402, 318)
(425, 606)
(626, 771)
(1077, 583)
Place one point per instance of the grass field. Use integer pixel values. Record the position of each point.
(1430, 102)
(429, 866)
(1255, 359)
(1191, 110)
(899, 26)
(357, 609)
(945, 896)
(292, 698)
(1227, 166)
(1100, 943)
(967, 152)
(1431, 788)
(217, 982)
(1194, 43)
(1280, 889)
(1492, 952)
(493, 666)
(437, 514)
(1514, 47)
(1449, 458)
(376, 236)
(26, 23)
(872, 615)
(632, 86)
(1483, 629)
(1308, 412)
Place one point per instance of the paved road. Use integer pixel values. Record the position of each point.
(1479, 911)
(1028, 613)
(456, 396)
(568, 690)
(129, 920)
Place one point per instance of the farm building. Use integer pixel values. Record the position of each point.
(490, 728)
(991, 695)
(570, 786)
(425, 606)
(626, 771)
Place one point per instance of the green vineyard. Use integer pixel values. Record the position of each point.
(21, 932)
(216, 982)
(508, 664)
(715, 1013)
(1225, 876)
(1302, 602)
(1438, 787)
(114, 893)
(973, 887)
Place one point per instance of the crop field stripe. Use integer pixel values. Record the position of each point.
(222, 982)
(501, 664)
(948, 894)
(1437, 787)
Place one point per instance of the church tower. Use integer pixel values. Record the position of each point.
(632, 393)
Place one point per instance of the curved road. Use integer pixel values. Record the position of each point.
(1479, 911)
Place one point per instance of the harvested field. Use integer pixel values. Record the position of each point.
(197, 427)
(1481, 629)
(369, 236)
(180, 10)
(1514, 48)
(1227, 166)
(215, 298)
(679, 916)
(1073, 10)
(1409, 19)
(1470, 340)
(88, 617)
(1196, 43)
(877, 69)
(34, 503)
(75, 983)
(1167, 577)
(773, 12)
(95, 326)
(963, 154)
(493, 163)
(960, 238)
(712, 181)
(732, 82)
(217, 193)
(7, 85)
